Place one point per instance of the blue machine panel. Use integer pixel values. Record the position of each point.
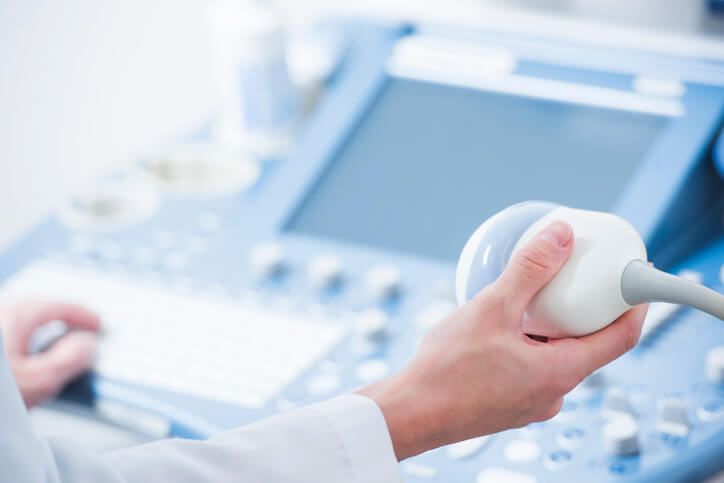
(394, 169)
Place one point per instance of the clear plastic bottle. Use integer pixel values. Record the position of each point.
(258, 107)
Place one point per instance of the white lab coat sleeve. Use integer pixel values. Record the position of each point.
(341, 440)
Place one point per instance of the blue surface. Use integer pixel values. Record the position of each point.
(673, 197)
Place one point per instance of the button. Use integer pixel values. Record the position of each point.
(616, 403)
(570, 410)
(384, 281)
(621, 436)
(571, 438)
(522, 451)
(323, 384)
(533, 431)
(558, 460)
(267, 259)
(372, 370)
(371, 325)
(621, 467)
(501, 475)
(673, 417)
(325, 271)
(711, 410)
(715, 365)
(420, 471)
(467, 448)
(432, 314)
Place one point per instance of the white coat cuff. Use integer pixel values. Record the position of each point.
(363, 432)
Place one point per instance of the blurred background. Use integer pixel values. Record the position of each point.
(93, 88)
(88, 84)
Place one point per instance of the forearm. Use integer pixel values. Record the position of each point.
(416, 415)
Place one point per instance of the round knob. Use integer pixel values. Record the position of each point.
(267, 259)
(616, 403)
(673, 418)
(621, 436)
(325, 270)
(372, 324)
(384, 281)
(715, 365)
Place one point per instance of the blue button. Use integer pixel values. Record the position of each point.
(571, 438)
(715, 405)
(560, 456)
(618, 468)
(623, 467)
(573, 433)
(558, 460)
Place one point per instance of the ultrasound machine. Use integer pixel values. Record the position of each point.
(232, 290)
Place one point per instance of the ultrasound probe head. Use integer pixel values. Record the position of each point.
(605, 275)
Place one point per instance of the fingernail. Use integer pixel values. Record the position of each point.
(558, 233)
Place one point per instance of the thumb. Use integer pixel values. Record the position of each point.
(536, 263)
(66, 359)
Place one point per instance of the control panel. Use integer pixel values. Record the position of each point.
(232, 288)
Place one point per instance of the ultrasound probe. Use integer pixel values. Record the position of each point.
(605, 275)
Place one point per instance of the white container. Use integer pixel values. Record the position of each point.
(257, 103)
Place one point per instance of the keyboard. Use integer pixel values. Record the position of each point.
(206, 345)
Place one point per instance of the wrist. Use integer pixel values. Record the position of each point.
(411, 413)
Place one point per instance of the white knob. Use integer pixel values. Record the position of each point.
(372, 324)
(325, 270)
(673, 418)
(384, 281)
(267, 259)
(621, 436)
(715, 365)
(616, 403)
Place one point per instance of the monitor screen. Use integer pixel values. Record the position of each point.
(428, 163)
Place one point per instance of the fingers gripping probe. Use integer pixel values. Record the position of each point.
(605, 274)
(643, 283)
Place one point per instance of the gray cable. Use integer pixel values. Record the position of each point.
(641, 283)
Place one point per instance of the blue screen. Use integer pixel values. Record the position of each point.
(428, 163)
